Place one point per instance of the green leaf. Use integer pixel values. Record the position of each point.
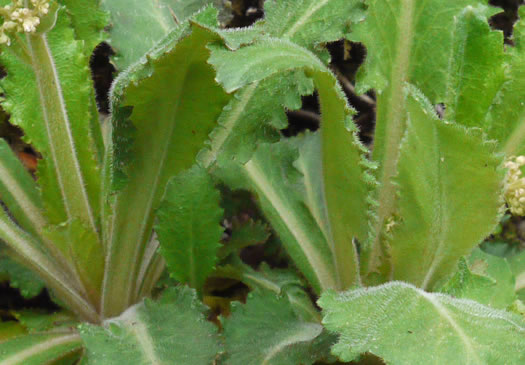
(507, 115)
(159, 102)
(255, 115)
(42, 348)
(476, 71)
(405, 325)
(400, 37)
(310, 22)
(137, 25)
(19, 192)
(450, 183)
(281, 193)
(188, 226)
(283, 282)
(172, 330)
(88, 20)
(244, 234)
(344, 178)
(281, 337)
(485, 278)
(29, 284)
(52, 100)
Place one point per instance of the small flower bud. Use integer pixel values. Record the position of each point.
(515, 185)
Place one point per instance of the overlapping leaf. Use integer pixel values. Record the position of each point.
(137, 25)
(158, 103)
(484, 278)
(405, 325)
(341, 157)
(188, 226)
(476, 70)
(281, 338)
(450, 183)
(172, 330)
(507, 115)
(67, 137)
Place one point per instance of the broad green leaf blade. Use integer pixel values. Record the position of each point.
(484, 278)
(51, 99)
(19, 192)
(405, 325)
(173, 330)
(188, 226)
(88, 20)
(450, 183)
(310, 22)
(159, 103)
(281, 193)
(507, 115)
(476, 71)
(29, 284)
(37, 349)
(345, 182)
(401, 38)
(266, 330)
(137, 25)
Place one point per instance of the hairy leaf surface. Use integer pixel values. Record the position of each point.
(450, 183)
(137, 25)
(344, 180)
(405, 325)
(51, 99)
(476, 70)
(172, 330)
(507, 115)
(29, 284)
(188, 226)
(282, 337)
(158, 102)
(485, 278)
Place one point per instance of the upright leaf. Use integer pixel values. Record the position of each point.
(405, 325)
(507, 115)
(281, 338)
(344, 179)
(476, 70)
(188, 226)
(401, 38)
(450, 183)
(173, 330)
(160, 101)
(281, 192)
(51, 99)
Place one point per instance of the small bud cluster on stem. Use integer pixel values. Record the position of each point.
(21, 16)
(515, 185)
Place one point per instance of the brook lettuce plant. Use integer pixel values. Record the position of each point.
(387, 237)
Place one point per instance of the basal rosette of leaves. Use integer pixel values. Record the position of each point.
(384, 240)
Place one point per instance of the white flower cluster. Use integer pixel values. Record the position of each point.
(515, 185)
(21, 16)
